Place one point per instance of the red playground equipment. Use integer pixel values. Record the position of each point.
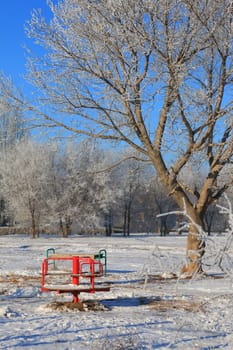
(81, 270)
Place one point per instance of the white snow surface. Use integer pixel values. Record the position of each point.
(131, 320)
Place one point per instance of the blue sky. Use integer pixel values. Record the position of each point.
(13, 16)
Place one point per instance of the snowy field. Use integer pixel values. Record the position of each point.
(145, 308)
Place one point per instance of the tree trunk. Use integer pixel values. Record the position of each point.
(33, 224)
(128, 220)
(163, 226)
(195, 248)
(68, 223)
(61, 227)
(37, 225)
(125, 220)
(108, 223)
(65, 228)
(126, 226)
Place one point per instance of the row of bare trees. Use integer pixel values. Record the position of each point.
(47, 184)
(81, 187)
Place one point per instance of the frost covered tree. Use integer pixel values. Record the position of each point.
(128, 178)
(154, 74)
(79, 191)
(45, 184)
(160, 201)
(24, 182)
(12, 129)
(12, 122)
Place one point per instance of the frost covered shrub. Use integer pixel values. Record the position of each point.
(217, 257)
(218, 248)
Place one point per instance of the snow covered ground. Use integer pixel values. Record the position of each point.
(142, 310)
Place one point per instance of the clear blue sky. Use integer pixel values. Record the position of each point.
(13, 16)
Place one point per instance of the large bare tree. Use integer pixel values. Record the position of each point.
(155, 74)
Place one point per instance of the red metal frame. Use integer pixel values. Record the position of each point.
(82, 267)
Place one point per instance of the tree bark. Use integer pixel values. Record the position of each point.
(108, 223)
(65, 228)
(195, 246)
(127, 219)
(33, 224)
(195, 249)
